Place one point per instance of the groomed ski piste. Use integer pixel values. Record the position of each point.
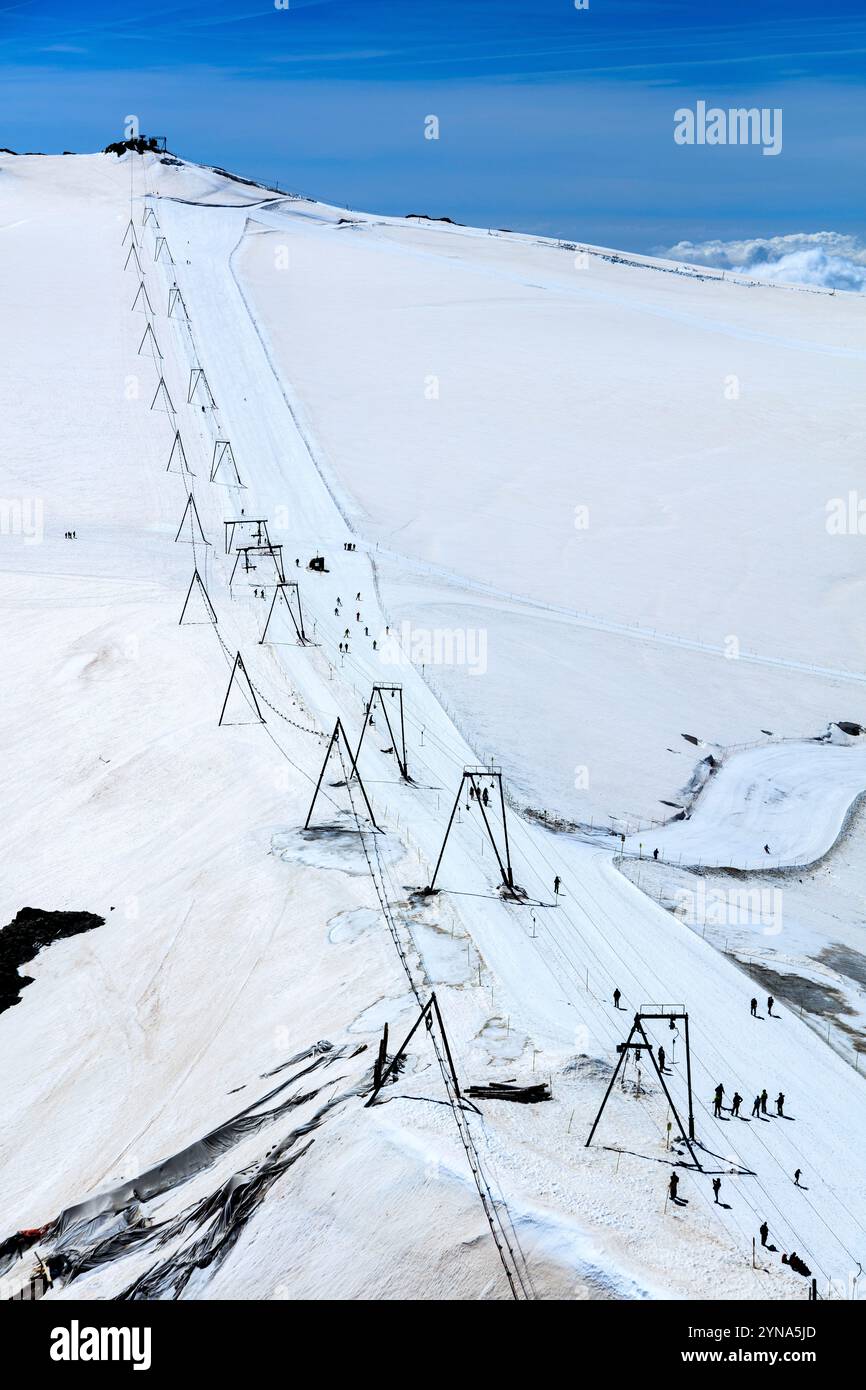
(184, 1087)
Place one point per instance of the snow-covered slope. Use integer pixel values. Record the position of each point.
(619, 474)
(234, 941)
(777, 805)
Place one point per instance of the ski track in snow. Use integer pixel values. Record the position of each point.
(601, 624)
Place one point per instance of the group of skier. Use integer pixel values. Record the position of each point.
(758, 1108)
(793, 1260)
(344, 644)
(770, 1002)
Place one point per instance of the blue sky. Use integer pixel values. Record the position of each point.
(552, 119)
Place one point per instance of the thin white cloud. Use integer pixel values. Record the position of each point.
(345, 55)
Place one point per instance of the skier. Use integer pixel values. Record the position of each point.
(780, 1104)
(346, 633)
(297, 563)
(765, 1231)
(797, 1172)
(616, 998)
(661, 1059)
(756, 1108)
(485, 797)
(556, 885)
(717, 1100)
(375, 648)
(770, 1002)
(358, 597)
(655, 854)
(717, 1187)
(764, 1099)
(796, 1264)
(672, 1187)
(766, 849)
(754, 1008)
(736, 1103)
(357, 617)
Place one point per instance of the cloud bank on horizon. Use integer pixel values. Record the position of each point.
(831, 260)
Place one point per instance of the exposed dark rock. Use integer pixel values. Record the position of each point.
(26, 936)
